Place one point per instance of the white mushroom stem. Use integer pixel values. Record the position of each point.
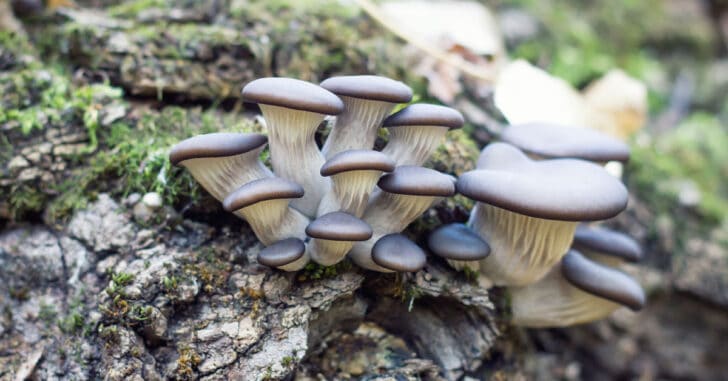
(356, 127)
(554, 302)
(222, 175)
(349, 192)
(361, 254)
(294, 154)
(387, 213)
(298, 264)
(326, 252)
(274, 220)
(412, 145)
(523, 248)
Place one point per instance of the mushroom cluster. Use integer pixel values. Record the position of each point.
(343, 199)
(534, 190)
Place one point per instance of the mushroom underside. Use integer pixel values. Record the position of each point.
(356, 127)
(413, 145)
(294, 153)
(523, 248)
(554, 302)
(222, 175)
(274, 220)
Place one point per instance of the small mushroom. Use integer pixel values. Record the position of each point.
(528, 210)
(575, 291)
(333, 234)
(222, 162)
(405, 194)
(264, 204)
(549, 141)
(395, 252)
(368, 99)
(459, 245)
(287, 255)
(606, 246)
(417, 130)
(353, 175)
(293, 110)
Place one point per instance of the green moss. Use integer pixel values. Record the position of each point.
(314, 271)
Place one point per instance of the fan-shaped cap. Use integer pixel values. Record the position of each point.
(370, 87)
(556, 189)
(422, 114)
(397, 253)
(217, 144)
(282, 252)
(602, 281)
(294, 94)
(417, 181)
(272, 188)
(608, 242)
(339, 226)
(357, 160)
(557, 141)
(458, 242)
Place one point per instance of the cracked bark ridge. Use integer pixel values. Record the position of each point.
(107, 298)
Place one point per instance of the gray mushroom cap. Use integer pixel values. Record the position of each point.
(417, 181)
(602, 281)
(353, 160)
(369, 87)
(556, 189)
(557, 141)
(282, 252)
(422, 114)
(459, 242)
(294, 94)
(398, 253)
(339, 226)
(219, 144)
(608, 242)
(272, 188)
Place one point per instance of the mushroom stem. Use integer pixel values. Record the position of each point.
(350, 192)
(523, 248)
(327, 252)
(391, 212)
(361, 253)
(554, 302)
(294, 154)
(387, 213)
(412, 145)
(274, 220)
(356, 127)
(220, 176)
(298, 264)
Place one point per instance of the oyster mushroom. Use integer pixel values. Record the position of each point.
(606, 246)
(222, 162)
(333, 234)
(293, 110)
(575, 291)
(459, 245)
(406, 194)
(264, 204)
(368, 99)
(417, 130)
(353, 175)
(288, 255)
(528, 210)
(548, 141)
(395, 252)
